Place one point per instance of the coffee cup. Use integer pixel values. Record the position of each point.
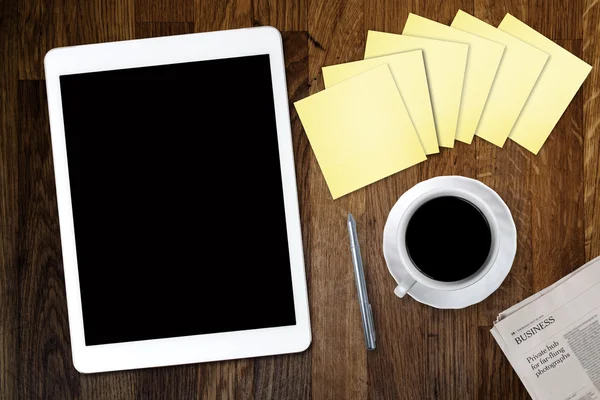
(445, 235)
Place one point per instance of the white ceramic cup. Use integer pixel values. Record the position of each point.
(398, 261)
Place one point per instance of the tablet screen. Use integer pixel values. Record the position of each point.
(177, 200)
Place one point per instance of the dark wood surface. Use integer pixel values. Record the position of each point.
(422, 353)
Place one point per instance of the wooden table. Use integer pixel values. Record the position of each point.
(422, 353)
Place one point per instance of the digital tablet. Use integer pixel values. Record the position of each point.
(177, 200)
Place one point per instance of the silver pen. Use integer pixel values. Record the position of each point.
(361, 286)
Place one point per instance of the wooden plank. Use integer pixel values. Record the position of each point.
(295, 49)
(226, 380)
(289, 376)
(492, 11)
(44, 24)
(499, 381)
(153, 29)
(336, 34)
(216, 15)
(591, 129)
(45, 367)
(164, 11)
(290, 15)
(507, 171)
(443, 11)
(388, 15)
(556, 19)
(397, 321)
(283, 377)
(109, 385)
(105, 21)
(177, 382)
(392, 367)
(459, 160)
(557, 195)
(10, 318)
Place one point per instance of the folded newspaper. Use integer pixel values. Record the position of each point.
(552, 339)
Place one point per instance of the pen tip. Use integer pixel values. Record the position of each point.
(350, 217)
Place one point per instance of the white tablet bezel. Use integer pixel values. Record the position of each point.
(160, 51)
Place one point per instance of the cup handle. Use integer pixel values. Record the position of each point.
(404, 286)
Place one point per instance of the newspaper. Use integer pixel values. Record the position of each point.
(552, 339)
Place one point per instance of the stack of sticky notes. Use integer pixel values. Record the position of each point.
(433, 84)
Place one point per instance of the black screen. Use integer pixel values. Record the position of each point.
(177, 200)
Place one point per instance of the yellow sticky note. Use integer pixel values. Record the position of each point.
(519, 69)
(360, 131)
(557, 85)
(445, 66)
(482, 64)
(409, 74)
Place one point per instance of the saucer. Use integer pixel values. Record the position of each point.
(491, 281)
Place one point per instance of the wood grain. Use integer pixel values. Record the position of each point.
(10, 319)
(226, 380)
(104, 21)
(339, 359)
(164, 11)
(556, 19)
(215, 15)
(443, 11)
(46, 24)
(507, 171)
(497, 380)
(113, 385)
(153, 29)
(422, 353)
(557, 196)
(591, 129)
(44, 346)
(388, 15)
(286, 15)
(35, 38)
(283, 377)
(492, 11)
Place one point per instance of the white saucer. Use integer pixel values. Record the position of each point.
(490, 282)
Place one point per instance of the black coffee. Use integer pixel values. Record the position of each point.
(448, 239)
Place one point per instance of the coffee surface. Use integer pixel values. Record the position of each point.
(448, 239)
